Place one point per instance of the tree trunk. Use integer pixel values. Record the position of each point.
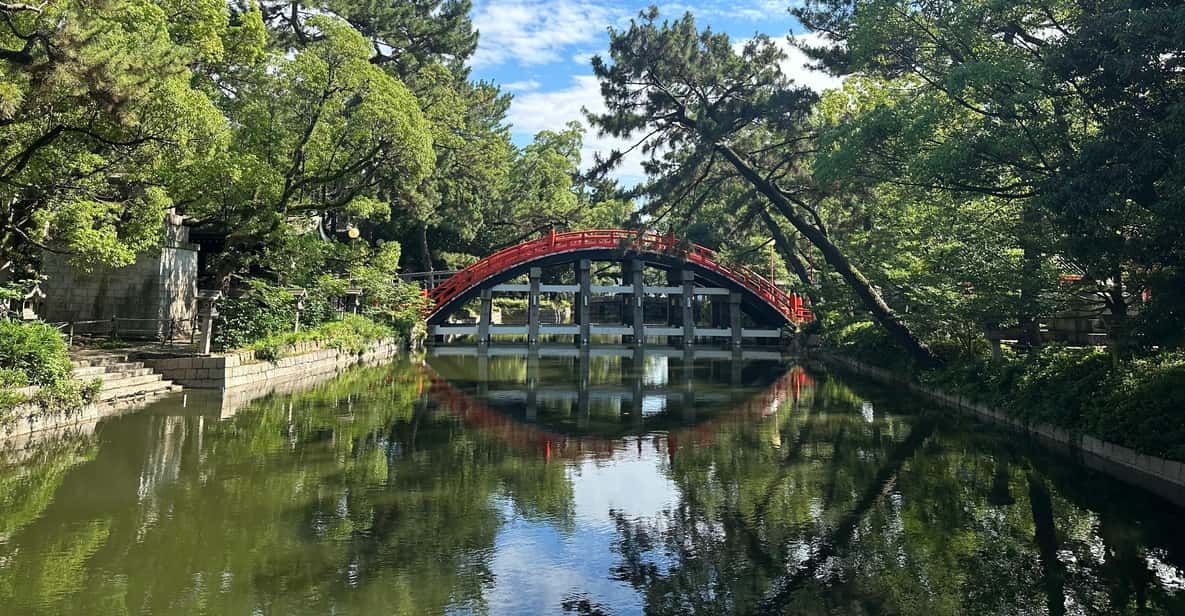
(1030, 328)
(1045, 535)
(869, 296)
(426, 255)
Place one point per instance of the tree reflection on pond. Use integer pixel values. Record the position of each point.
(645, 483)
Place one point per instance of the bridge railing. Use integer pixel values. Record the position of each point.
(789, 304)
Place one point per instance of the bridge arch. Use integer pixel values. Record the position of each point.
(761, 299)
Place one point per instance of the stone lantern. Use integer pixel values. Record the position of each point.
(298, 297)
(207, 311)
(31, 303)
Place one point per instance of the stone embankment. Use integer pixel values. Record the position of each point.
(1158, 475)
(241, 368)
(127, 383)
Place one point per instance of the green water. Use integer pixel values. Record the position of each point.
(570, 485)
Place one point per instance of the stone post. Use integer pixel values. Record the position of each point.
(734, 317)
(636, 301)
(485, 317)
(533, 306)
(207, 311)
(583, 297)
(686, 302)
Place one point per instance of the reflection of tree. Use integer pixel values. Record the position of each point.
(29, 477)
(339, 499)
(894, 516)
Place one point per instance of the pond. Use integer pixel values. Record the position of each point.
(610, 482)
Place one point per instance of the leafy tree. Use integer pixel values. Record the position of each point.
(97, 118)
(321, 139)
(1067, 112)
(687, 89)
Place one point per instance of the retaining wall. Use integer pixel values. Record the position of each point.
(1163, 477)
(240, 369)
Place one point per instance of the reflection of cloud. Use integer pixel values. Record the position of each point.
(534, 31)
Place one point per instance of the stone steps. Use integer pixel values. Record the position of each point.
(120, 378)
(153, 387)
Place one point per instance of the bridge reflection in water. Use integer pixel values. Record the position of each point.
(565, 402)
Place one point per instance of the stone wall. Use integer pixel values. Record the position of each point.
(240, 369)
(159, 285)
(1158, 475)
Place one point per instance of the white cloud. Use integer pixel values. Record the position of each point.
(521, 86)
(535, 31)
(536, 111)
(797, 65)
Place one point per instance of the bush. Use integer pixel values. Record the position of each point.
(353, 334)
(870, 343)
(14, 379)
(34, 349)
(1143, 406)
(261, 311)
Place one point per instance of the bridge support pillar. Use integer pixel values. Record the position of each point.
(485, 317)
(734, 317)
(583, 297)
(686, 302)
(636, 302)
(535, 276)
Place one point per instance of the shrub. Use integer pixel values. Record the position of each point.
(353, 334)
(35, 350)
(868, 342)
(1143, 406)
(1057, 383)
(12, 378)
(262, 310)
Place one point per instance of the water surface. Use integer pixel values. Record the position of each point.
(607, 483)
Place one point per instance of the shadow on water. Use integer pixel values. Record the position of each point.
(615, 481)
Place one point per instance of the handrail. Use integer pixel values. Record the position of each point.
(789, 304)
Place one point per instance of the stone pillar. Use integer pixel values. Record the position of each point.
(686, 303)
(638, 318)
(207, 311)
(734, 317)
(485, 317)
(533, 306)
(583, 297)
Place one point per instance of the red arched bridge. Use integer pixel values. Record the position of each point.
(705, 298)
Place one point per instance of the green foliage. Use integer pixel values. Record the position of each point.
(36, 350)
(352, 334)
(1142, 406)
(13, 378)
(260, 311)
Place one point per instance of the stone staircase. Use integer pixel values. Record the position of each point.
(122, 379)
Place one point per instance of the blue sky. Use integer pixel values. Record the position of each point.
(539, 50)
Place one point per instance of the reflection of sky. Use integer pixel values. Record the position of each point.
(536, 566)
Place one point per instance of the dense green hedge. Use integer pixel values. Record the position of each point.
(1138, 403)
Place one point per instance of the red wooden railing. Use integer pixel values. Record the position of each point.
(789, 304)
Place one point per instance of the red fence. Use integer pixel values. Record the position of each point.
(789, 304)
